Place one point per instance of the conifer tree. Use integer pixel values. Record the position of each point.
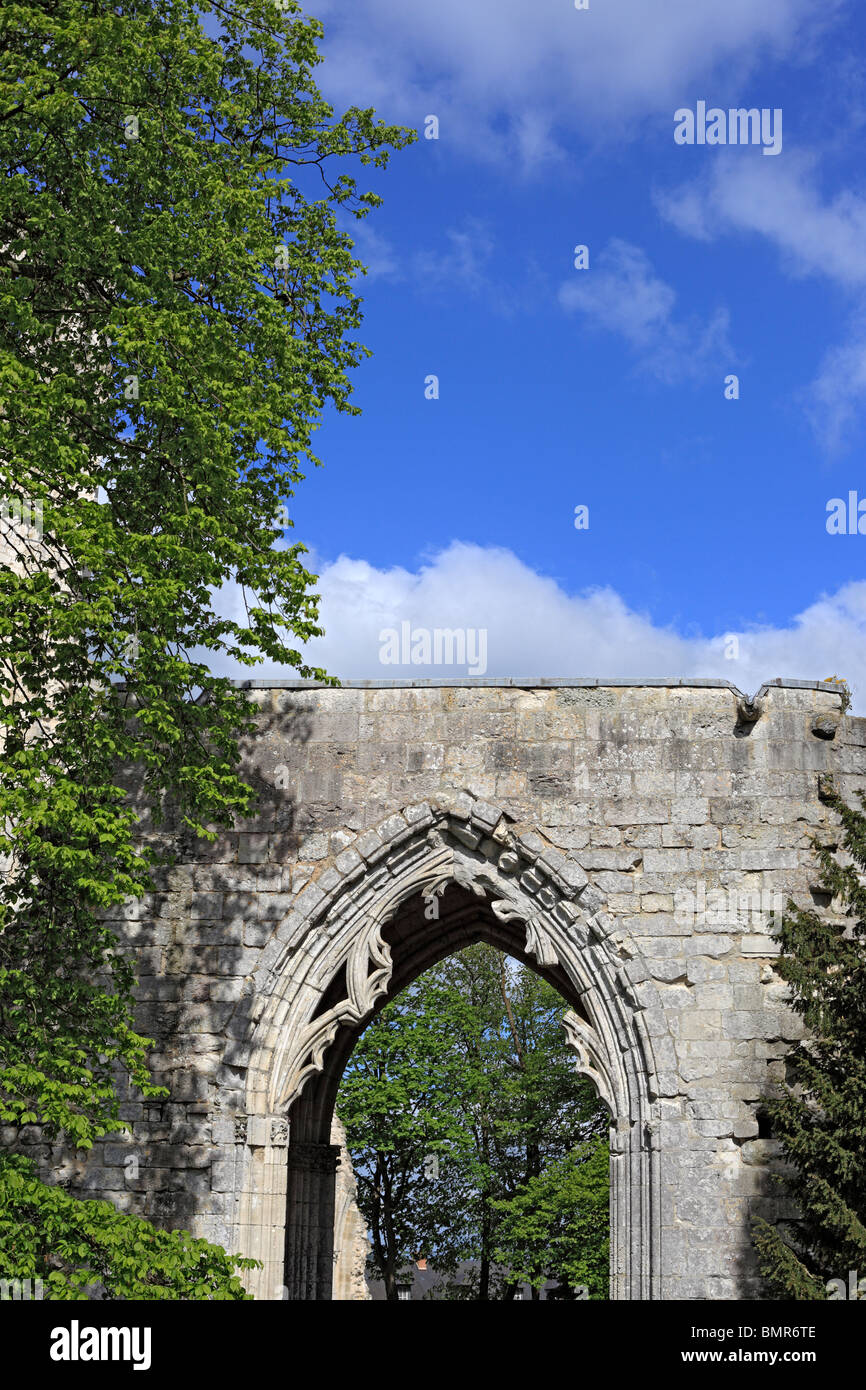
(819, 1118)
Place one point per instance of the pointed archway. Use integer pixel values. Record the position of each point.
(365, 929)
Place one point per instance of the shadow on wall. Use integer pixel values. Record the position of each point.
(195, 942)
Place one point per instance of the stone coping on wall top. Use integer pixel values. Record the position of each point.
(538, 683)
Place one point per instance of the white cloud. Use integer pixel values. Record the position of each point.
(502, 74)
(463, 262)
(782, 202)
(535, 628)
(376, 251)
(622, 294)
(814, 235)
(464, 259)
(838, 393)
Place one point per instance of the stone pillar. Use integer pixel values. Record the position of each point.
(351, 1242)
(309, 1269)
(261, 1214)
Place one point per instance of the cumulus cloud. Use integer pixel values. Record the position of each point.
(623, 295)
(814, 235)
(376, 251)
(837, 395)
(782, 202)
(462, 259)
(504, 74)
(535, 628)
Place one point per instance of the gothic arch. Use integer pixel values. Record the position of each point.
(329, 966)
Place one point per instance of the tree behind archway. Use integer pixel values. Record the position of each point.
(458, 1101)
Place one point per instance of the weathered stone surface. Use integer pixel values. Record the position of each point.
(351, 1243)
(632, 836)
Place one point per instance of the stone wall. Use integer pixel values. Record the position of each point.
(351, 1242)
(632, 826)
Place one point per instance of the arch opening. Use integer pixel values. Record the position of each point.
(416, 944)
(462, 1094)
(373, 930)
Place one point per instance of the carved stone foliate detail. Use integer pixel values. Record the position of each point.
(539, 943)
(517, 886)
(354, 943)
(524, 880)
(591, 1061)
(619, 1139)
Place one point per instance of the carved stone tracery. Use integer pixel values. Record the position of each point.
(521, 879)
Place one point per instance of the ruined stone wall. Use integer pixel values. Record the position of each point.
(351, 1242)
(636, 800)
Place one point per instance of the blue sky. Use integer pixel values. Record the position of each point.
(605, 386)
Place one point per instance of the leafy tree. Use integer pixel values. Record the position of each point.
(819, 1118)
(75, 1246)
(397, 1102)
(512, 1109)
(177, 309)
(528, 1112)
(558, 1224)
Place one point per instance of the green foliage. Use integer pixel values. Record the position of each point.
(819, 1118)
(560, 1222)
(74, 1246)
(846, 691)
(399, 1102)
(177, 309)
(470, 1067)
